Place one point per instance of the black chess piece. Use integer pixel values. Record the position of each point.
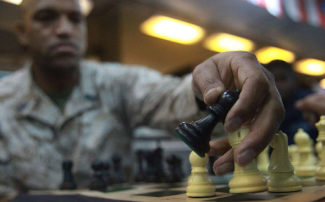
(197, 134)
(106, 174)
(140, 176)
(68, 182)
(179, 167)
(174, 164)
(160, 174)
(117, 169)
(98, 182)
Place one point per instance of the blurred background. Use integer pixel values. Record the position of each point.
(174, 36)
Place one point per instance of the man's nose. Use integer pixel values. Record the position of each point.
(64, 28)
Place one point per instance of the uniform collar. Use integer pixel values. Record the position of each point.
(35, 104)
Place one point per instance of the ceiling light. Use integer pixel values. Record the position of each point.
(172, 30)
(16, 2)
(268, 54)
(86, 6)
(225, 42)
(311, 67)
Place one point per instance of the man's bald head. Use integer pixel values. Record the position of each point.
(54, 31)
(28, 5)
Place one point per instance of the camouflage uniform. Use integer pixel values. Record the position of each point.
(109, 102)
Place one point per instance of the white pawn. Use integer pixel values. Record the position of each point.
(282, 173)
(320, 172)
(199, 184)
(306, 166)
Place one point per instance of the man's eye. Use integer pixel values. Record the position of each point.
(45, 17)
(76, 18)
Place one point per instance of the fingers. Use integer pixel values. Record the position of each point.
(225, 163)
(313, 104)
(265, 125)
(207, 84)
(254, 85)
(219, 147)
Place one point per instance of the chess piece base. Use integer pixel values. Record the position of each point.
(248, 183)
(320, 173)
(284, 182)
(194, 191)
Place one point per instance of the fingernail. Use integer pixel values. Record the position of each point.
(224, 168)
(246, 157)
(233, 124)
(219, 90)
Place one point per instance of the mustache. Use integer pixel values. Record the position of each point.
(65, 43)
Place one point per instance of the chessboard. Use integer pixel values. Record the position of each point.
(312, 191)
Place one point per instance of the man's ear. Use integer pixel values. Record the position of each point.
(21, 32)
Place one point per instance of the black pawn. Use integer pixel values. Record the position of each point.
(117, 168)
(140, 176)
(68, 181)
(197, 135)
(160, 174)
(106, 174)
(98, 182)
(173, 165)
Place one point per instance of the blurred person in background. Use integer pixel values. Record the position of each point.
(286, 82)
(60, 107)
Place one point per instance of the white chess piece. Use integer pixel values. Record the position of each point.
(263, 160)
(245, 179)
(282, 177)
(295, 155)
(320, 172)
(306, 166)
(199, 184)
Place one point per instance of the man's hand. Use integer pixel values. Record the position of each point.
(312, 106)
(259, 100)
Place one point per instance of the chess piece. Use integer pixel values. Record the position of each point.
(245, 179)
(263, 160)
(282, 177)
(199, 184)
(106, 174)
(68, 181)
(320, 172)
(197, 134)
(117, 169)
(140, 176)
(295, 155)
(312, 156)
(98, 182)
(319, 147)
(306, 166)
(160, 174)
(174, 167)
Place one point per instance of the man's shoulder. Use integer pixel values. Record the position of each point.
(11, 84)
(106, 71)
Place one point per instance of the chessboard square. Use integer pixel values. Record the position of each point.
(249, 197)
(222, 189)
(162, 193)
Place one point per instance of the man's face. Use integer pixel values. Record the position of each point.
(55, 32)
(285, 83)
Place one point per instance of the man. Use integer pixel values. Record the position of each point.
(285, 80)
(59, 107)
